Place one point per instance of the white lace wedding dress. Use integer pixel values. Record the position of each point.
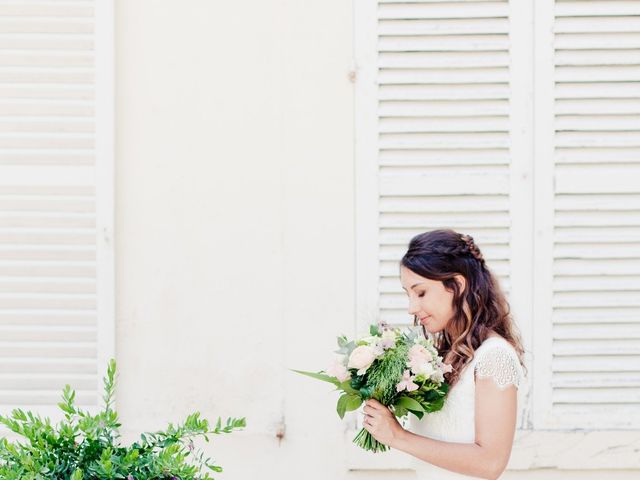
(495, 358)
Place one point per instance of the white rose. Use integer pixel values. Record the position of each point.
(437, 376)
(361, 358)
(425, 369)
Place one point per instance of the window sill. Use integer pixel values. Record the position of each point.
(533, 449)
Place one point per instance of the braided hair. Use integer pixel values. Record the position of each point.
(480, 309)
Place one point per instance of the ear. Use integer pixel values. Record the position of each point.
(462, 282)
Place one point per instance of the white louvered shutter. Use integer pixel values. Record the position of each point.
(595, 367)
(56, 146)
(441, 105)
(443, 125)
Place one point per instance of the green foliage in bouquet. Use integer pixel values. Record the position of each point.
(86, 447)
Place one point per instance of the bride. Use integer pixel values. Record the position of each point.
(456, 298)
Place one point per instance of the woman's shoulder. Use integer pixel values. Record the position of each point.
(495, 341)
(497, 358)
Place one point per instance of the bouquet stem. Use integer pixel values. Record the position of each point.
(365, 440)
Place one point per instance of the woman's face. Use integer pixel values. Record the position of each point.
(428, 299)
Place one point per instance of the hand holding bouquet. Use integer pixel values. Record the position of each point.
(402, 370)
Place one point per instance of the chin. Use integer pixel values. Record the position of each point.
(431, 329)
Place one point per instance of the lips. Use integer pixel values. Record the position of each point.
(425, 318)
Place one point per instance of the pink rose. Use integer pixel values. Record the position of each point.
(338, 370)
(407, 382)
(361, 358)
(419, 353)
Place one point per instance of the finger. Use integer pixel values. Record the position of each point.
(369, 410)
(371, 414)
(368, 417)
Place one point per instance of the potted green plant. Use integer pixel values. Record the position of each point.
(86, 447)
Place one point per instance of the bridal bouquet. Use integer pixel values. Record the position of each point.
(400, 369)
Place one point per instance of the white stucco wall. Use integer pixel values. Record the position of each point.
(235, 225)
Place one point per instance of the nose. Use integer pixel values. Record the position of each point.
(414, 308)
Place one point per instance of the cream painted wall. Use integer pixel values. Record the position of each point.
(234, 221)
(235, 226)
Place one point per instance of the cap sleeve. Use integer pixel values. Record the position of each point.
(499, 362)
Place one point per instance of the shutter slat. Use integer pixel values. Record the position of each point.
(595, 8)
(434, 75)
(613, 24)
(586, 283)
(596, 379)
(443, 140)
(444, 43)
(457, 26)
(444, 92)
(441, 157)
(598, 106)
(614, 41)
(599, 336)
(596, 395)
(617, 89)
(451, 108)
(442, 60)
(442, 124)
(596, 57)
(443, 10)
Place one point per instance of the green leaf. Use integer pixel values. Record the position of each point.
(418, 414)
(410, 404)
(400, 411)
(346, 387)
(373, 330)
(320, 376)
(366, 392)
(341, 407)
(353, 402)
(348, 403)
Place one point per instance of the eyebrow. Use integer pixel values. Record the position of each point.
(414, 285)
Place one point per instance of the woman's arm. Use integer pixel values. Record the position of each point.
(495, 421)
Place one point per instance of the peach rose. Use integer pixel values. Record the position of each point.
(361, 358)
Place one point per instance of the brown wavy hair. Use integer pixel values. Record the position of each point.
(480, 309)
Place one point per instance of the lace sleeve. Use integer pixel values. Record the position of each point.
(501, 364)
